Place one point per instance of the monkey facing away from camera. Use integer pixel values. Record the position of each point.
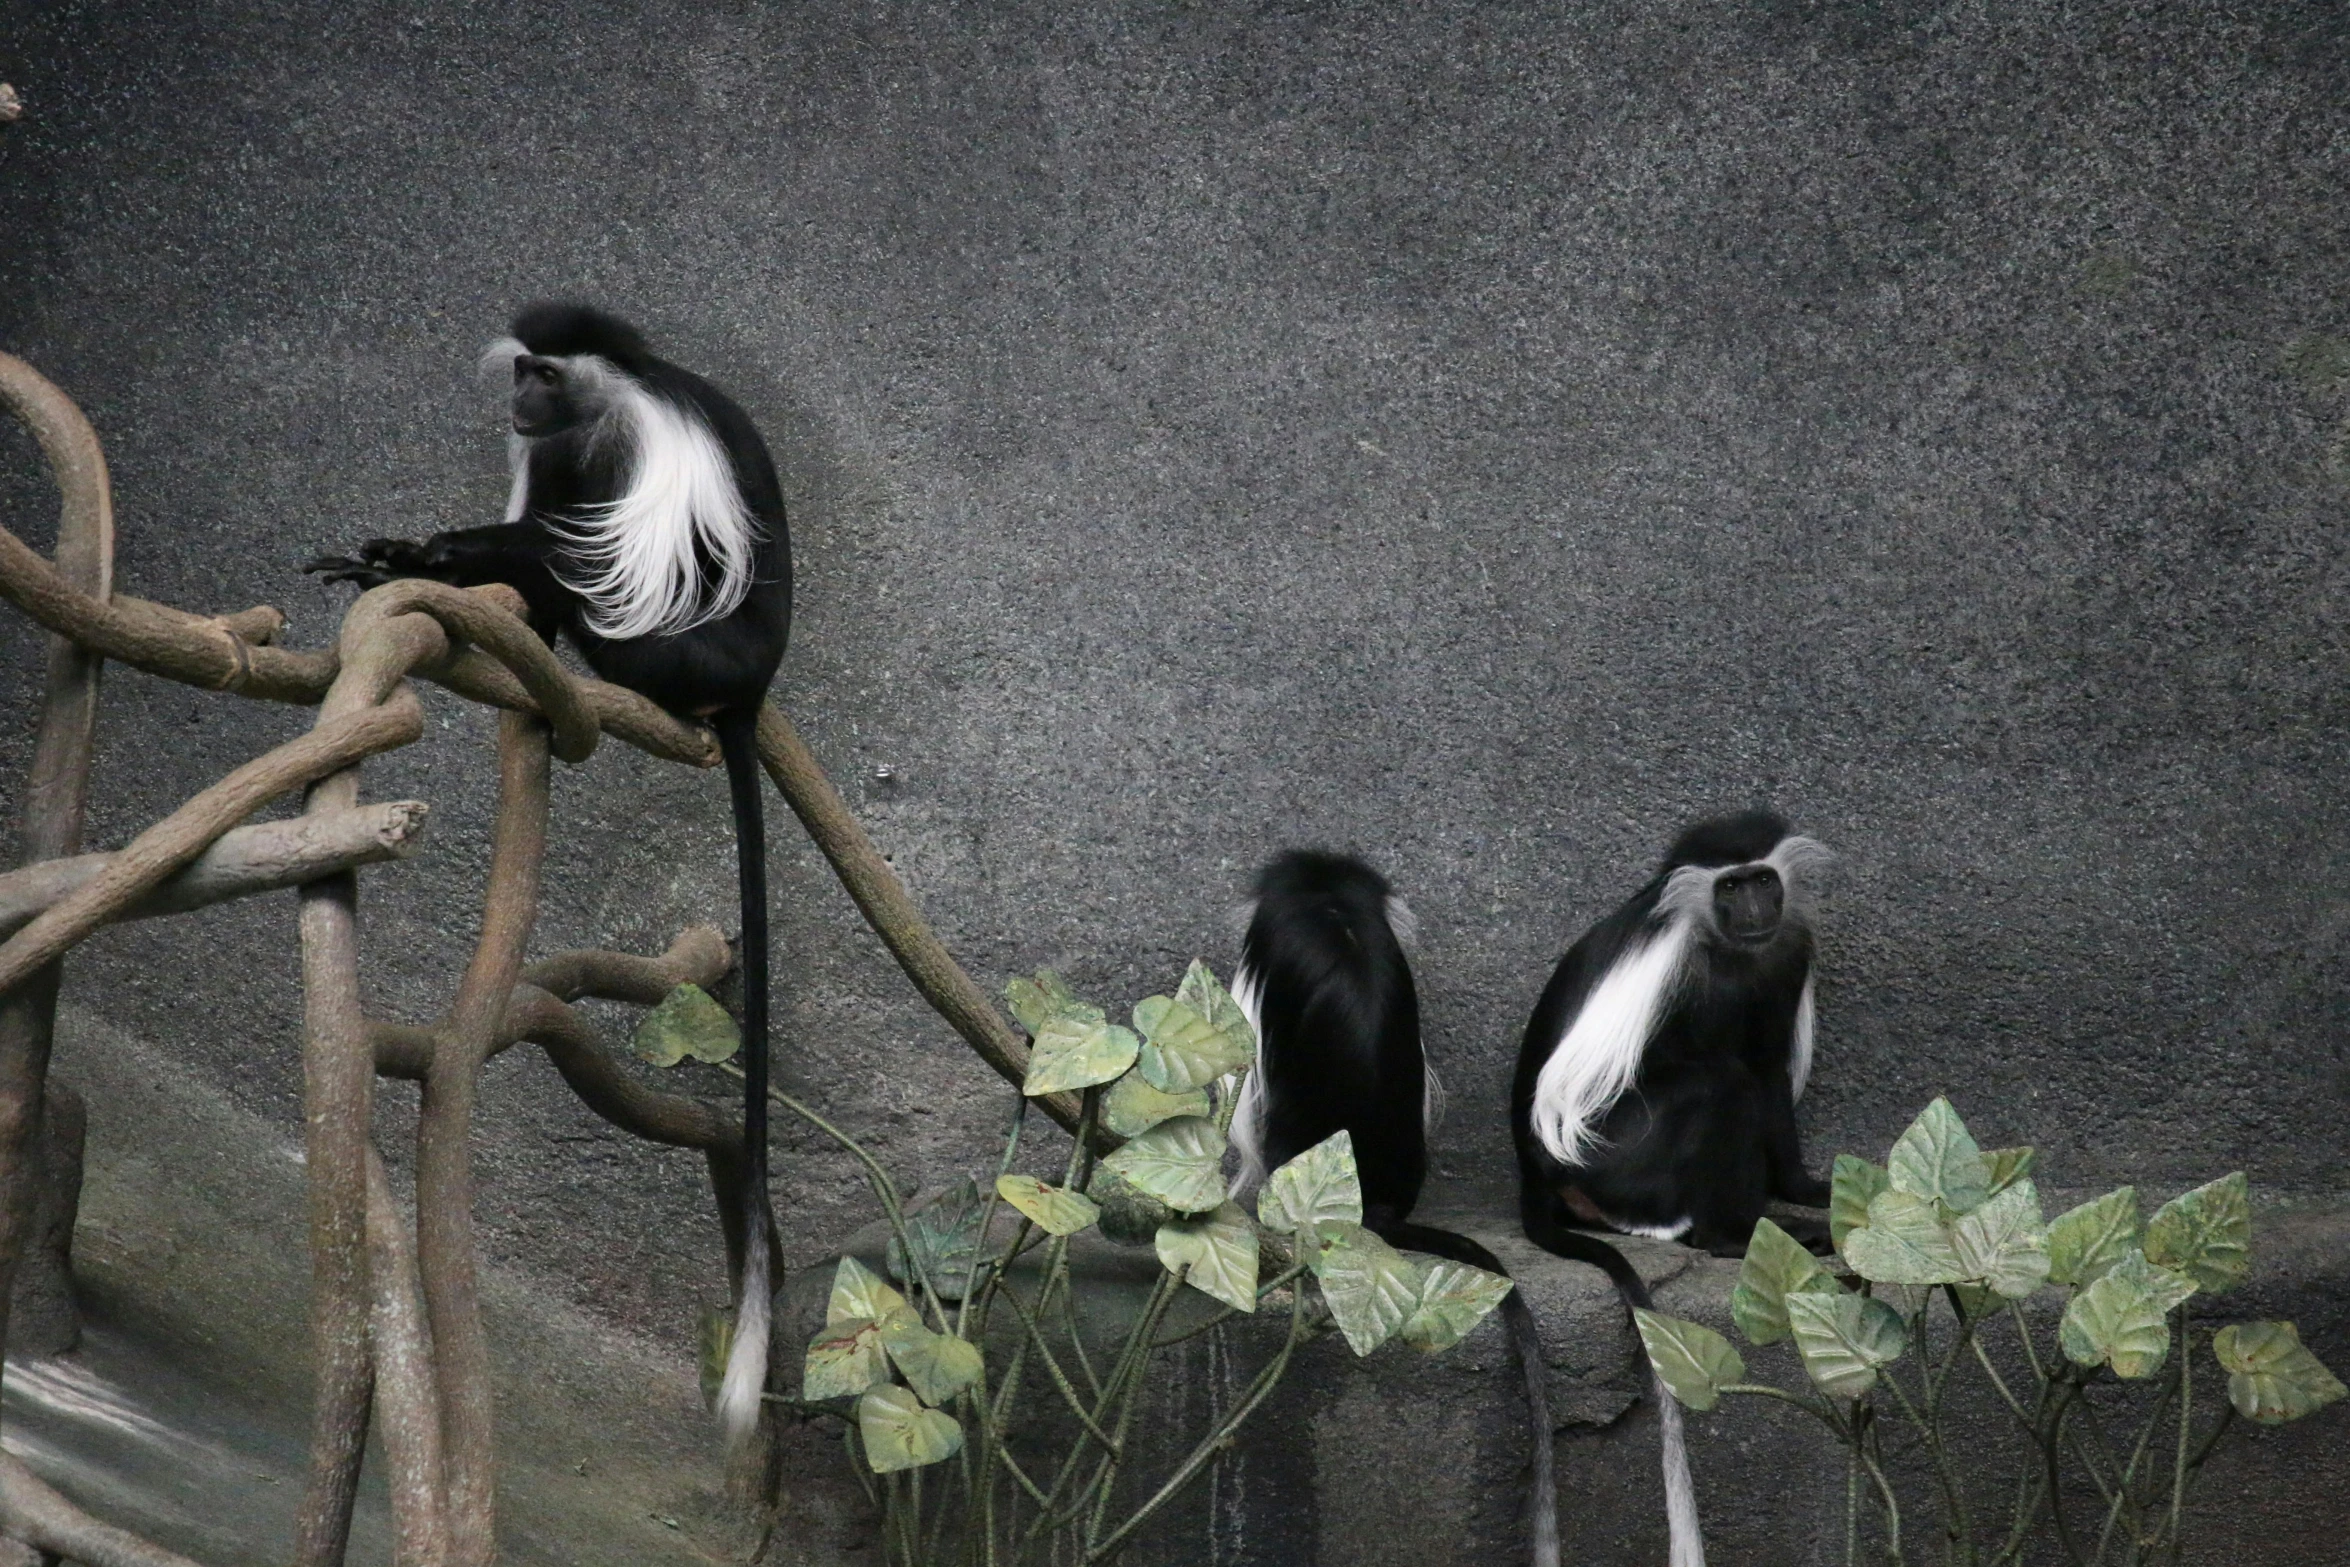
(1656, 1085)
(646, 523)
(1326, 984)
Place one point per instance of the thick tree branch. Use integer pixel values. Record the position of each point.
(32, 1512)
(407, 1403)
(444, 1158)
(883, 900)
(264, 858)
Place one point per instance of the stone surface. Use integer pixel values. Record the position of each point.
(1478, 439)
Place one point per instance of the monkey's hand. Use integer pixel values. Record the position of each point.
(379, 561)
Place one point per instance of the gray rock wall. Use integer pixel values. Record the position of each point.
(1476, 437)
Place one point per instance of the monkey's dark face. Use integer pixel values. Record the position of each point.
(1750, 902)
(545, 400)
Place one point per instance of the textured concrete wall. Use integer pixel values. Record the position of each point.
(1480, 438)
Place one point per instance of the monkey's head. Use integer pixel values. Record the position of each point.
(1740, 878)
(564, 359)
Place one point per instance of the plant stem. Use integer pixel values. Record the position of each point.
(2179, 1470)
(1811, 1407)
(2049, 1449)
(1957, 1523)
(1885, 1491)
(1215, 1439)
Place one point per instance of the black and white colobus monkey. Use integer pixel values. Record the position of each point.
(1327, 987)
(646, 523)
(1656, 1087)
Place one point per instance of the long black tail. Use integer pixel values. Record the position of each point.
(1685, 1531)
(1526, 1340)
(746, 1362)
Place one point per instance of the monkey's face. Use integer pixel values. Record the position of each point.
(1749, 904)
(546, 402)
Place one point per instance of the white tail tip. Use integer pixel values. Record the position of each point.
(1686, 1533)
(746, 1361)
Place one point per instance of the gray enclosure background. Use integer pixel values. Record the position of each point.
(1477, 437)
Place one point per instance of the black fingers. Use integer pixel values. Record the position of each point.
(342, 568)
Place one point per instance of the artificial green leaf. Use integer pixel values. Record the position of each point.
(2205, 1234)
(846, 1358)
(1182, 1050)
(2272, 1377)
(1454, 1298)
(944, 1242)
(1317, 1187)
(2085, 1242)
(1372, 1288)
(2123, 1319)
(1180, 1162)
(1215, 1253)
(1037, 1001)
(858, 1292)
(1844, 1338)
(1204, 994)
(2003, 1243)
(1904, 1242)
(716, 1338)
(1071, 1053)
(1059, 1211)
(1133, 1107)
(936, 1366)
(687, 1026)
(1693, 1361)
(1130, 1216)
(1776, 1267)
(900, 1434)
(2008, 1166)
(1851, 1189)
(1937, 1159)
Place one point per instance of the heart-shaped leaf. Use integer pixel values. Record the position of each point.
(2085, 1242)
(2008, 1166)
(900, 1434)
(2123, 1319)
(1904, 1242)
(2003, 1243)
(2205, 1234)
(1071, 1053)
(1133, 1107)
(858, 1292)
(1059, 1211)
(1205, 994)
(2272, 1377)
(1036, 1002)
(1215, 1253)
(1853, 1186)
(1843, 1339)
(1372, 1288)
(1317, 1187)
(1454, 1298)
(1180, 1162)
(846, 1358)
(943, 1240)
(1937, 1159)
(1182, 1050)
(1776, 1267)
(1693, 1361)
(687, 1026)
(936, 1366)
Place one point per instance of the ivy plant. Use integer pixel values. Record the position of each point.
(985, 1426)
(1942, 1248)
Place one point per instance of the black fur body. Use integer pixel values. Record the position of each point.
(1329, 988)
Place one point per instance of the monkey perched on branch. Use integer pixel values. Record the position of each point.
(646, 523)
